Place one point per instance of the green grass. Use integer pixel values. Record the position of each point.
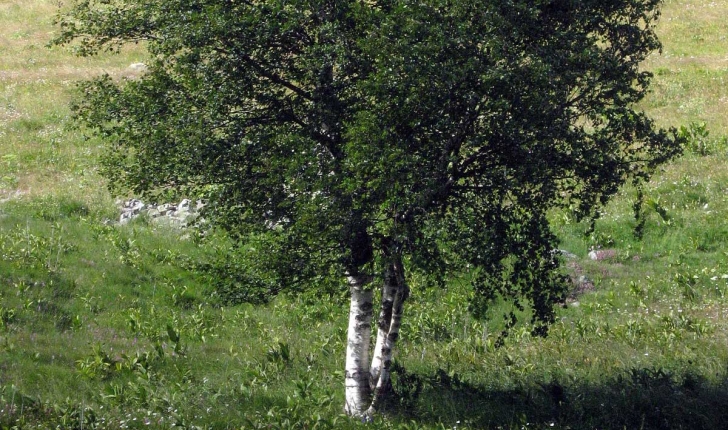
(86, 311)
(90, 313)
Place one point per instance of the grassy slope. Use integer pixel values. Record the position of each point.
(692, 71)
(86, 310)
(40, 156)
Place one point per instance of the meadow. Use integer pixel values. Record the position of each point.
(108, 327)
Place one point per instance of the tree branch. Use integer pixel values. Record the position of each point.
(275, 78)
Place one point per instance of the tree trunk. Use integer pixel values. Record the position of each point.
(383, 324)
(396, 286)
(358, 392)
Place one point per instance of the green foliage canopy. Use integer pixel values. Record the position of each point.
(345, 132)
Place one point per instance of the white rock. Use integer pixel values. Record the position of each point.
(137, 67)
(568, 255)
(602, 254)
(178, 215)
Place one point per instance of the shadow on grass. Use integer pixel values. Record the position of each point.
(640, 399)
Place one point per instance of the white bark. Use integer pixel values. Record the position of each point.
(358, 392)
(396, 284)
(383, 324)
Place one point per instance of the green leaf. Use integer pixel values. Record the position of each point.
(172, 333)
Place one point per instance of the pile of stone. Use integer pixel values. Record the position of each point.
(602, 254)
(180, 214)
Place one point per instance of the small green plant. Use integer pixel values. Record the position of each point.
(71, 415)
(600, 239)
(698, 140)
(139, 325)
(28, 248)
(7, 316)
(279, 354)
(91, 303)
(98, 364)
(200, 325)
(655, 205)
(176, 339)
(124, 241)
(182, 297)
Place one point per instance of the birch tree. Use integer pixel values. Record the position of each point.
(363, 140)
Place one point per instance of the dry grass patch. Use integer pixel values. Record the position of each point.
(692, 71)
(39, 155)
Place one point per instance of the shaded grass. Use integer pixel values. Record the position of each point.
(641, 398)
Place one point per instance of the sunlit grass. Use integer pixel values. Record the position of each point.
(39, 154)
(692, 71)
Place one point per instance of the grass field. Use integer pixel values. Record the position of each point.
(114, 327)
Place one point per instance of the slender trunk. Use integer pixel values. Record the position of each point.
(401, 291)
(358, 392)
(383, 324)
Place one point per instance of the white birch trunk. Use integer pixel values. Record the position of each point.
(385, 351)
(357, 390)
(383, 324)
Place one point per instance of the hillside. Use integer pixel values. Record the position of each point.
(106, 326)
